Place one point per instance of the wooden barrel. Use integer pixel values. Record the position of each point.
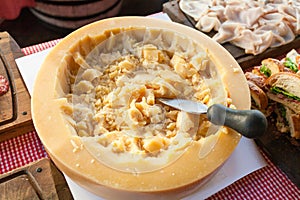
(72, 14)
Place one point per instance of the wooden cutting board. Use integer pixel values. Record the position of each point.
(245, 60)
(39, 180)
(15, 114)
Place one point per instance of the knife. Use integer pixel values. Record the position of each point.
(249, 123)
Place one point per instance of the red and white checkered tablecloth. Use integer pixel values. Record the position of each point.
(267, 183)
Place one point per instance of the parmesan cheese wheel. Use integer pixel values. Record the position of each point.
(170, 168)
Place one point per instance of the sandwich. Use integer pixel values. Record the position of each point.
(284, 88)
(275, 88)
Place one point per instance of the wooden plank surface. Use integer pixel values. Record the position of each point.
(15, 114)
(39, 180)
(6, 100)
(245, 60)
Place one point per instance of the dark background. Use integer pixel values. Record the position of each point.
(29, 30)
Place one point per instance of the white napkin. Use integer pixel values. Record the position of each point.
(244, 160)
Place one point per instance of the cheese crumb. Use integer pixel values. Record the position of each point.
(235, 70)
(75, 150)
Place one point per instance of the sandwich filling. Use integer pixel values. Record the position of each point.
(278, 90)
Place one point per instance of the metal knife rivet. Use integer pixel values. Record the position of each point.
(39, 169)
(24, 113)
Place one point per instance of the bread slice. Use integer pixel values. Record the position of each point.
(288, 82)
(273, 64)
(292, 104)
(258, 96)
(293, 120)
(257, 78)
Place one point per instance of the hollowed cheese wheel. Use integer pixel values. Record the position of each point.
(176, 180)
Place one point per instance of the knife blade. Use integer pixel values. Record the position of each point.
(189, 106)
(249, 123)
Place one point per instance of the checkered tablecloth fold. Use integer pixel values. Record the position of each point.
(266, 183)
(20, 151)
(39, 47)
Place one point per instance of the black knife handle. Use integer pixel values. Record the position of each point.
(249, 123)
